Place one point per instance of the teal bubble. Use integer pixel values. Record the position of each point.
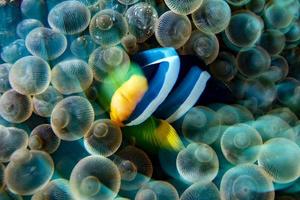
(46, 43)
(34, 168)
(224, 67)
(108, 27)
(72, 117)
(104, 61)
(104, 138)
(279, 157)
(271, 126)
(278, 15)
(83, 46)
(44, 102)
(69, 17)
(241, 144)
(26, 25)
(247, 181)
(43, 138)
(278, 70)
(285, 114)
(14, 51)
(244, 29)
(256, 6)
(15, 107)
(95, 177)
(212, 16)
(201, 124)
(141, 19)
(203, 45)
(198, 162)
(135, 167)
(234, 114)
(172, 30)
(30, 75)
(71, 76)
(253, 61)
(12, 139)
(273, 41)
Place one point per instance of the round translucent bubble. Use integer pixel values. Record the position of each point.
(286, 89)
(183, 7)
(71, 76)
(103, 61)
(285, 114)
(141, 19)
(198, 162)
(57, 189)
(72, 117)
(241, 143)
(15, 107)
(135, 167)
(224, 67)
(104, 138)
(95, 177)
(12, 139)
(14, 51)
(246, 181)
(156, 190)
(273, 41)
(82, 46)
(280, 158)
(279, 69)
(256, 6)
(44, 103)
(234, 114)
(238, 2)
(108, 27)
(270, 126)
(2, 183)
(46, 43)
(69, 17)
(253, 61)
(36, 9)
(128, 2)
(34, 168)
(30, 75)
(277, 15)
(203, 45)
(4, 80)
(129, 43)
(26, 25)
(172, 30)
(244, 29)
(213, 16)
(201, 191)
(262, 91)
(293, 33)
(296, 129)
(43, 138)
(201, 124)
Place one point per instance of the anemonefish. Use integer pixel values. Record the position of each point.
(159, 89)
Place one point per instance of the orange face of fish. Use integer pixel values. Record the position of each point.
(126, 98)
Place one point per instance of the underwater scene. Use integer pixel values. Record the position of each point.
(149, 99)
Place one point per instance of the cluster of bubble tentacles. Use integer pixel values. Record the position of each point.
(57, 141)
